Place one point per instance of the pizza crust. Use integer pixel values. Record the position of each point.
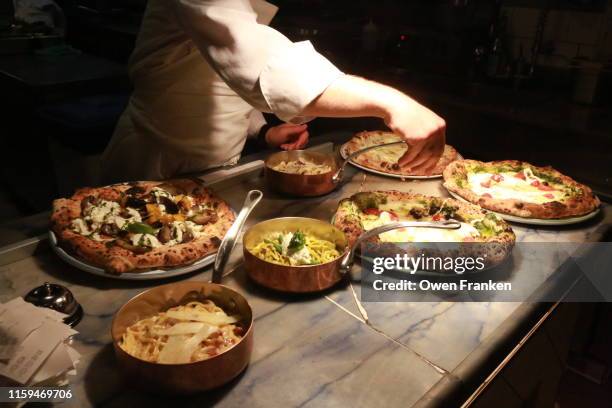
(570, 207)
(370, 159)
(116, 259)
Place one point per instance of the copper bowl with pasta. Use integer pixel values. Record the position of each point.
(184, 337)
(294, 254)
(301, 173)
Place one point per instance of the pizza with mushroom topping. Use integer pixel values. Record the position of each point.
(520, 189)
(385, 159)
(134, 227)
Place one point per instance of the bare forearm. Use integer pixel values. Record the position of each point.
(351, 96)
(421, 128)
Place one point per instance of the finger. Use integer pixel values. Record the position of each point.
(412, 152)
(300, 142)
(427, 166)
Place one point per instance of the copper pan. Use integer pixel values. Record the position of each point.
(296, 279)
(187, 378)
(303, 185)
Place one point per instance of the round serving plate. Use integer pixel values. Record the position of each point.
(147, 275)
(537, 221)
(344, 155)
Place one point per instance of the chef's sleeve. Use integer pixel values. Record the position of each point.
(256, 123)
(260, 64)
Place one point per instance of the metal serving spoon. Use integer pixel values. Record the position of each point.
(229, 241)
(347, 261)
(339, 173)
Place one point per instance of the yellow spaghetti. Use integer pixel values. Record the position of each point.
(182, 334)
(295, 248)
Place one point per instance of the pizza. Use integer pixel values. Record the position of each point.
(367, 210)
(519, 188)
(385, 159)
(133, 227)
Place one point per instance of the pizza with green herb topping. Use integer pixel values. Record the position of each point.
(133, 227)
(520, 189)
(367, 210)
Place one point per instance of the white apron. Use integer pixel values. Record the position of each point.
(182, 117)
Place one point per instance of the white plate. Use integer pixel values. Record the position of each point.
(148, 275)
(382, 173)
(536, 221)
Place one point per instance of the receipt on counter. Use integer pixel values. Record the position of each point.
(33, 343)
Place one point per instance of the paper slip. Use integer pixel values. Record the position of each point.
(32, 343)
(58, 363)
(35, 349)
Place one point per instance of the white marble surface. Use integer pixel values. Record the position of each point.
(311, 350)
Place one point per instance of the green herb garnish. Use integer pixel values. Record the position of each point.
(140, 228)
(297, 241)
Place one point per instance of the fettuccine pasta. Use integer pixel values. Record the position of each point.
(302, 166)
(182, 334)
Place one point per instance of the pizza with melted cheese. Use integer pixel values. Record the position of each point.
(367, 210)
(134, 227)
(520, 189)
(385, 159)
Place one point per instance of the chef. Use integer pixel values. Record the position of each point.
(203, 71)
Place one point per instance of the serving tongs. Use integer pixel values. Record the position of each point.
(347, 260)
(253, 198)
(337, 177)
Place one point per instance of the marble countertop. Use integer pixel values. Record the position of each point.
(310, 350)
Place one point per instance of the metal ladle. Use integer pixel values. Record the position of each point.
(340, 172)
(347, 261)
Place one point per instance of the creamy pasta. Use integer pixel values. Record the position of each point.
(302, 166)
(295, 248)
(182, 334)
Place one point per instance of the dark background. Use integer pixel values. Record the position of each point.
(471, 61)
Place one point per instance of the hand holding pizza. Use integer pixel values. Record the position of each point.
(423, 131)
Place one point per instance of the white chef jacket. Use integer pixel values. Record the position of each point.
(201, 72)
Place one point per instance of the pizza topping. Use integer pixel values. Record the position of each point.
(146, 240)
(140, 228)
(205, 217)
(489, 226)
(158, 193)
(109, 229)
(372, 211)
(80, 226)
(520, 175)
(99, 212)
(527, 188)
(169, 205)
(143, 219)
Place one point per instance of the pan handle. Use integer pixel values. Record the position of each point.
(229, 241)
(347, 260)
(340, 172)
